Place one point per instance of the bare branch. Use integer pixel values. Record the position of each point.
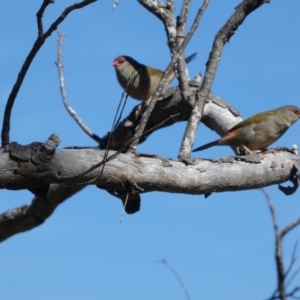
(150, 106)
(288, 295)
(116, 3)
(158, 9)
(165, 13)
(219, 116)
(195, 23)
(272, 210)
(181, 283)
(293, 260)
(280, 292)
(186, 91)
(63, 91)
(223, 36)
(39, 16)
(29, 216)
(278, 249)
(291, 226)
(181, 20)
(32, 53)
(293, 276)
(38, 165)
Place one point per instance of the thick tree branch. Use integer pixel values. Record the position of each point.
(27, 217)
(218, 116)
(25, 167)
(45, 171)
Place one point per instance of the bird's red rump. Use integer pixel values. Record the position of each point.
(258, 131)
(229, 133)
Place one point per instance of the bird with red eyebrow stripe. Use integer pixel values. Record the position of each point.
(147, 79)
(259, 131)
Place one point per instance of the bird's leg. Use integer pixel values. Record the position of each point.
(247, 149)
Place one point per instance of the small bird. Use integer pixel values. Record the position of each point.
(147, 79)
(259, 131)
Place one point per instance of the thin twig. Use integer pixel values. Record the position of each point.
(113, 156)
(148, 111)
(290, 294)
(165, 14)
(293, 276)
(181, 21)
(186, 91)
(39, 16)
(186, 293)
(123, 209)
(63, 91)
(293, 260)
(116, 3)
(289, 227)
(116, 121)
(223, 36)
(278, 249)
(25, 67)
(272, 210)
(196, 23)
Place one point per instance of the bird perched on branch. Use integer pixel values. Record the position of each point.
(259, 131)
(138, 80)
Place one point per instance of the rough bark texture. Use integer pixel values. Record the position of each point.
(55, 175)
(218, 116)
(141, 172)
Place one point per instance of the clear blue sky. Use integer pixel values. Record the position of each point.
(222, 246)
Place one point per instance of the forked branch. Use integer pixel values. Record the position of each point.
(31, 55)
(223, 36)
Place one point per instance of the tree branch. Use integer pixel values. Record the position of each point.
(223, 36)
(70, 110)
(281, 274)
(32, 53)
(219, 116)
(39, 16)
(278, 249)
(289, 227)
(165, 12)
(30, 216)
(121, 176)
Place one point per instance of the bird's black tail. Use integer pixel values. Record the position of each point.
(191, 57)
(214, 143)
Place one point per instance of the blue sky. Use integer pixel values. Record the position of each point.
(221, 246)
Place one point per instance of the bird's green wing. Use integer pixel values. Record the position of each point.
(154, 72)
(253, 120)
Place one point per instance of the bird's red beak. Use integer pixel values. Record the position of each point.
(115, 63)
